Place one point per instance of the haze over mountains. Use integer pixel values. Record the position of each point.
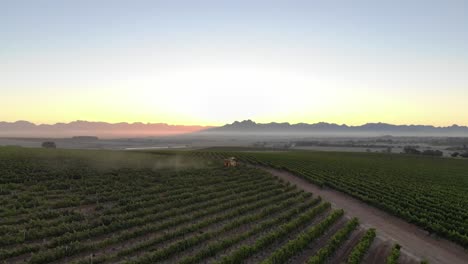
(246, 127)
(98, 129)
(322, 128)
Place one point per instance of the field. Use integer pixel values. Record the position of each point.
(64, 206)
(429, 192)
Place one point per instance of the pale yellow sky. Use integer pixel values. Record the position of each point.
(221, 63)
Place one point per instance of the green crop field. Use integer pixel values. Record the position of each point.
(65, 206)
(427, 191)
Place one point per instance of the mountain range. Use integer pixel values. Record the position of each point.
(251, 127)
(98, 129)
(246, 127)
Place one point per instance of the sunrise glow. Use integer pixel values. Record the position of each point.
(213, 63)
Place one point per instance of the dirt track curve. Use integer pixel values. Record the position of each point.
(414, 240)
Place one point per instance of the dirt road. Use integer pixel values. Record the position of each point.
(415, 241)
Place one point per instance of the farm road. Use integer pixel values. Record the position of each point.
(415, 241)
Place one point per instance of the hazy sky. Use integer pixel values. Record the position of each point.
(213, 62)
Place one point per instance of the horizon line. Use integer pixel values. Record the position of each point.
(214, 126)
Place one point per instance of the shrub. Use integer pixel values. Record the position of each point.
(394, 255)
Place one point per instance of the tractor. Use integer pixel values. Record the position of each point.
(230, 162)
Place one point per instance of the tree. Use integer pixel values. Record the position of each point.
(455, 154)
(49, 144)
(411, 150)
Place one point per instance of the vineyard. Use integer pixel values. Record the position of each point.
(428, 192)
(108, 207)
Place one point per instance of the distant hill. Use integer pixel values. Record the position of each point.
(78, 129)
(251, 127)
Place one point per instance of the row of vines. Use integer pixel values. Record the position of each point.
(429, 192)
(60, 208)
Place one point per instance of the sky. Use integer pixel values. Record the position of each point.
(214, 62)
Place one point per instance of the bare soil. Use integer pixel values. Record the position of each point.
(86, 209)
(342, 253)
(316, 245)
(416, 242)
(378, 252)
(257, 258)
(238, 230)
